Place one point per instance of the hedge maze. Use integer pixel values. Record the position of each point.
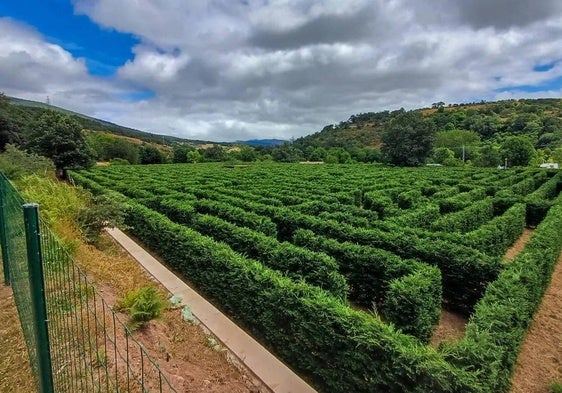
(343, 271)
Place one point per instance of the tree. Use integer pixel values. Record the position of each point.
(556, 156)
(193, 156)
(287, 152)
(151, 155)
(318, 154)
(443, 154)
(179, 154)
(247, 154)
(518, 150)
(214, 153)
(60, 138)
(489, 156)
(408, 139)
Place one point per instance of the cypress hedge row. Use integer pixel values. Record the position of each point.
(501, 319)
(498, 234)
(297, 263)
(413, 302)
(465, 271)
(237, 216)
(407, 291)
(466, 220)
(340, 349)
(539, 201)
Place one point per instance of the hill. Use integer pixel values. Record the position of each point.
(538, 119)
(25, 111)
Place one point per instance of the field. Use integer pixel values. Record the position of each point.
(343, 271)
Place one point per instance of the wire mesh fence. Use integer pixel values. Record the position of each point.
(79, 344)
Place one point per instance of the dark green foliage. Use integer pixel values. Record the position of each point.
(150, 155)
(341, 350)
(540, 200)
(181, 211)
(214, 153)
(466, 220)
(60, 138)
(297, 263)
(497, 235)
(421, 217)
(379, 202)
(408, 139)
(367, 270)
(378, 277)
(409, 199)
(518, 150)
(413, 302)
(465, 271)
(498, 325)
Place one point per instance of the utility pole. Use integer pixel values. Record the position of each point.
(463, 152)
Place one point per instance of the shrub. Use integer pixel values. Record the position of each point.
(413, 302)
(143, 305)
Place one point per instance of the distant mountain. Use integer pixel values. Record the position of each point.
(263, 142)
(30, 109)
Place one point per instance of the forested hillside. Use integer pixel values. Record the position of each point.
(525, 131)
(512, 133)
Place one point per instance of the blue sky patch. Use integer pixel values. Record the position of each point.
(553, 84)
(103, 49)
(544, 67)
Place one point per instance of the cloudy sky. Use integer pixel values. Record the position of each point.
(227, 70)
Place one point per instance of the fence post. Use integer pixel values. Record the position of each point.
(4, 233)
(37, 285)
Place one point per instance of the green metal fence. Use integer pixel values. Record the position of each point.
(76, 343)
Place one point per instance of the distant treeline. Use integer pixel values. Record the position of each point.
(516, 132)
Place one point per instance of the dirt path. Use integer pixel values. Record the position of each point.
(15, 374)
(540, 360)
(451, 327)
(518, 246)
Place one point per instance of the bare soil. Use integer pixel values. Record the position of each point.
(190, 358)
(184, 352)
(518, 246)
(451, 328)
(15, 373)
(540, 360)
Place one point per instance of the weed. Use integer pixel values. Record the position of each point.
(101, 358)
(143, 305)
(555, 387)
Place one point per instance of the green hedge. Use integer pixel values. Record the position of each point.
(465, 271)
(339, 349)
(498, 234)
(501, 319)
(379, 202)
(380, 278)
(539, 201)
(297, 263)
(478, 213)
(413, 302)
(237, 216)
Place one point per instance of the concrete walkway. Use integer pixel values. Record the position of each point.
(266, 367)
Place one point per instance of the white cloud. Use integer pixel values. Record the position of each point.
(225, 70)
